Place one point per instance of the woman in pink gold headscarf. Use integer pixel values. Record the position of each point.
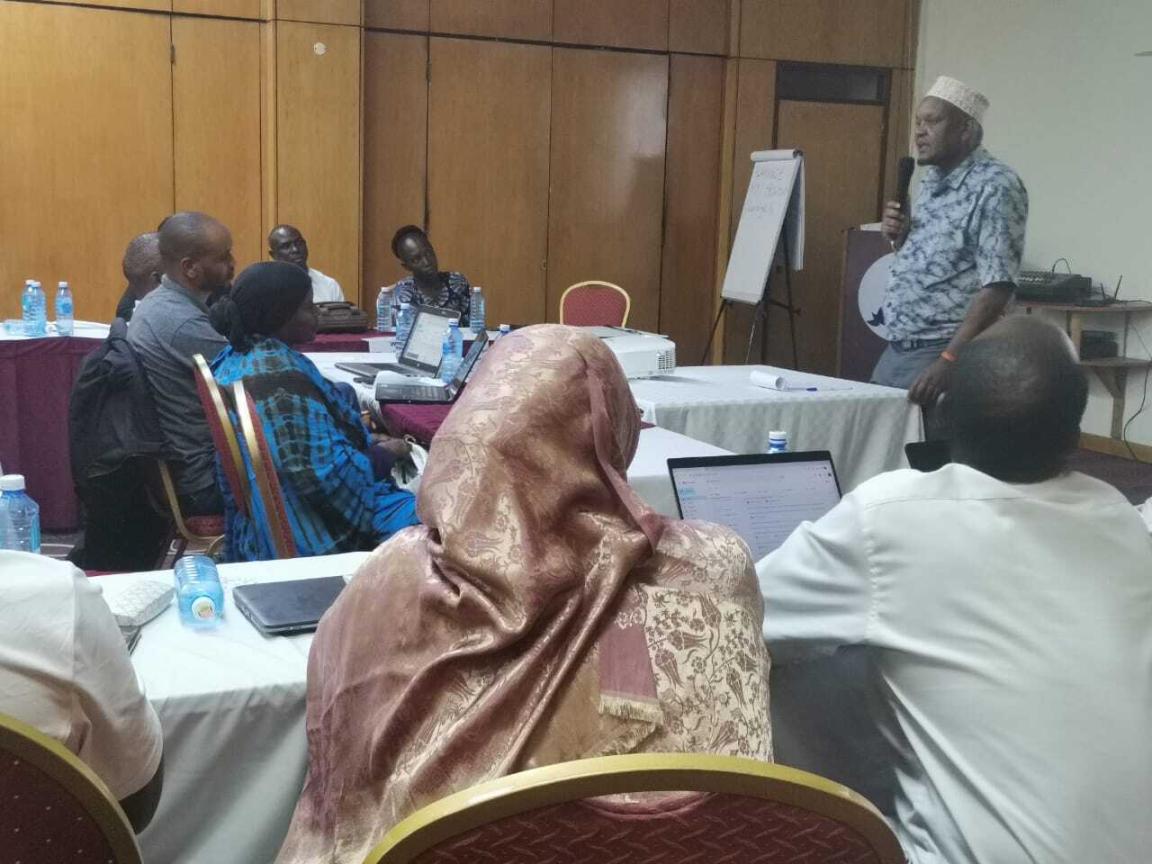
(541, 613)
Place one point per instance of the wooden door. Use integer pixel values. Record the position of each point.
(488, 127)
(607, 175)
(86, 152)
(843, 148)
(216, 104)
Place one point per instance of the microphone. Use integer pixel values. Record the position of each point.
(904, 180)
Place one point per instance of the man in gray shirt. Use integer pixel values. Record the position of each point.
(169, 326)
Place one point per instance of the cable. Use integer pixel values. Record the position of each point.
(1143, 400)
(1067, 264)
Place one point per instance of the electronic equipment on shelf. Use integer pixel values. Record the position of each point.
(1046, 286)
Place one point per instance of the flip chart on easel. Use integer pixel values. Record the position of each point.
(774, 205)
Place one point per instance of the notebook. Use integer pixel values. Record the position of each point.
(762, 497)
(421, 354)
(416, 393)
(285, 608)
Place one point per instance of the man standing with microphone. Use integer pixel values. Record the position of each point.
(957, 252)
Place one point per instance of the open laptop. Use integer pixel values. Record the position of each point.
(421, 355)
(286, 608)
(429, 393)
(762, 497)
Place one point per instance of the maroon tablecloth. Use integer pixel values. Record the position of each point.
(335, 343)
(36, 377)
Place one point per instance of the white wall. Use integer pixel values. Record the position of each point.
(1071, 111)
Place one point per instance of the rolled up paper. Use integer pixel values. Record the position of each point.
(768, 380)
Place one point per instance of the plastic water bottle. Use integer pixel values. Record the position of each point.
(34, 309)
(403, 327)
(452, 351)
(476, 309)
(65, 317)
(19, 516)
(504, 330)
(199, 592)
(384, 322)
(777, 442)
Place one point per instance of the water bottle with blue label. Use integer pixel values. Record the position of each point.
(403, 327)
(476, 310)
(19, 516)
(384, 320)
(34, 309)
(504, 330)
(65, 311)
(777, 442)
(199, 592)
(452, 351)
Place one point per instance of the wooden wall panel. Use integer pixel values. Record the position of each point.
(488, 170)
(691, 199)
(755, 130)
(217, 75)
(843, 152)
(898, 135)
(397, 14)
(318, 144)
(319, 11)
(86, 154)
(607, 175)
(250, 9)
(622, 23)
(698, 26)
(517, 19)
(864, 32)
(147, 5)
(395, 148)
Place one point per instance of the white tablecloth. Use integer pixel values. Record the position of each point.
(864, 426)
(86, 329)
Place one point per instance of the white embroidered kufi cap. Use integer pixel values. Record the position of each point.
(971, 102)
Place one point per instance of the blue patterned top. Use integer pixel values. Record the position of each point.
(967, 232)
(319, 447)
(455, 294)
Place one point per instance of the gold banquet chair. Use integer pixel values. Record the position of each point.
(752, 813)
(54, 806)
(595, 304)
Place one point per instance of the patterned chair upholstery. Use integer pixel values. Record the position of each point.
(595, 304)
(737, 810)
(264, 472)
(189, 529)
(53, 807)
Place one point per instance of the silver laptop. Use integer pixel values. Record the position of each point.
(762, 497)
(421, 355)
(415, 393)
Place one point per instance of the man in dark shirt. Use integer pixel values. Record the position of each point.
(169, 327)
(142, 269)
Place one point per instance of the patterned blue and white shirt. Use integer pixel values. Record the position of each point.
(967, 232)
(455, 294)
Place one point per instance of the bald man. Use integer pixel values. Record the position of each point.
(286, 243)
(169, 327)
(991, 620)
(957, 253)
(142, 269)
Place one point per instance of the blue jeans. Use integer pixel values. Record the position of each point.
(900, 366)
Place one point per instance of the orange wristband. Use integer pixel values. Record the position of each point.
(949, 356)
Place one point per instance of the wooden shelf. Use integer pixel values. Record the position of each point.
(1116, 363)
(1125, 307)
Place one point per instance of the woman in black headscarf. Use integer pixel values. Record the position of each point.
(322, 453)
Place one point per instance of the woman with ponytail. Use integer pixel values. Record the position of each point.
(337, 495)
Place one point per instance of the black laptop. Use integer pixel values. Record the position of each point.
(762, 497)
(419, 393)
(287, 608)
(422, 352)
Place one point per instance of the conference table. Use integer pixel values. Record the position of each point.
(231, 702)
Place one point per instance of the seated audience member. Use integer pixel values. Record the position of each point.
(65, 670)
(142, 268)
(169, 327)
(428, 285)
(337, 490)
(286, 243)
(543, 613)
(1005, 606)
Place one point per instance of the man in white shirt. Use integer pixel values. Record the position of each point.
(286, 243)
(64, 669)
(1003, 611)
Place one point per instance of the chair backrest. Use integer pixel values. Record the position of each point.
(264, 471)
(755, 813)
(55, 808)
(223, 434)
(595, 304)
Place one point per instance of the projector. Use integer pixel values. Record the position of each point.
(642, 355)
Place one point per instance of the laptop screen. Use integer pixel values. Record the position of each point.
(470, 359)
(426, 341)
(763, 498)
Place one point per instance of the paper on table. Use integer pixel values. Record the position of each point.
(772, 381)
